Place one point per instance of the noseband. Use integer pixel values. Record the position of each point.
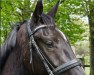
(55, 71)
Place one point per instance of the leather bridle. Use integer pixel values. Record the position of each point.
(54, 71)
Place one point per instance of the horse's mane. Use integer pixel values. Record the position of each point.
(7, 47)
(44, 19)
(47, 19)
(9, 44)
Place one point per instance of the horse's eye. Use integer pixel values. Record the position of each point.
(50, 44)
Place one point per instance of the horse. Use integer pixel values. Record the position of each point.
(38, 47)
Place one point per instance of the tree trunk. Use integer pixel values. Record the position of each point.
(91, 27)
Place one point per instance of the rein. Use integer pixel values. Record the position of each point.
(55, 71)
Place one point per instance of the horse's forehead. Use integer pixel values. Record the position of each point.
(51, 33)
(62, 34)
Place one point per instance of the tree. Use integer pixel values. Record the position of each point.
(13, 11)
(64, 20)
(91, 27)
(16, 11)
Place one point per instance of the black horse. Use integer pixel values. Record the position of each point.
(38, 47)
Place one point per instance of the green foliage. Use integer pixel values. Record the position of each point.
(64, 20)
(13, 11)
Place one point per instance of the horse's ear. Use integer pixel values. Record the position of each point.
(53, 10)
(38, 11)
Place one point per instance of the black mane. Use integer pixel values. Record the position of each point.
(9, 44)
(44, 19)
(7, 47)
(47, 19)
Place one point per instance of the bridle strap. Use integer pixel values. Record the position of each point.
(41, 57)
(32, 42)
(64, 67)
(34, 30)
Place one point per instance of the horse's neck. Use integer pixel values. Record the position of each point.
(11, 63)
(14, 64)
(6, 49)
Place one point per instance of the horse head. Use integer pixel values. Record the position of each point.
(51, 46)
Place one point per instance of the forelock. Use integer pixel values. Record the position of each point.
(47, 19)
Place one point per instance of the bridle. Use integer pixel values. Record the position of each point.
(55, 71)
